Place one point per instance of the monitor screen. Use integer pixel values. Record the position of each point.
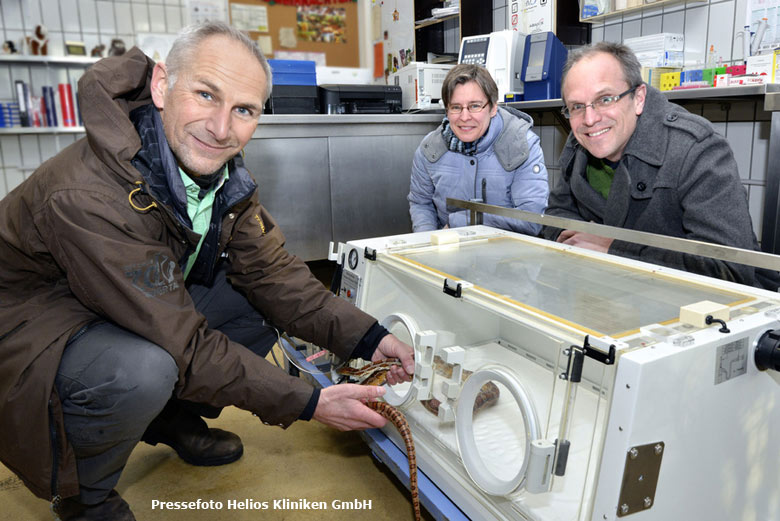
(536, 54)
(474, 48)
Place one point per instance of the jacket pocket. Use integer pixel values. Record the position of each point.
(16, 328)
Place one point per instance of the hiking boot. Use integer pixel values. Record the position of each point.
(194, 442)
(113, 508)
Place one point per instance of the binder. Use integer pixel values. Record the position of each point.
(51, 108)
(21, 98)
(66, 101)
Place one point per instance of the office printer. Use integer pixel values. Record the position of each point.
(360, 99)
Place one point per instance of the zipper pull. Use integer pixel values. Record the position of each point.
(484, 190)
(55, 507)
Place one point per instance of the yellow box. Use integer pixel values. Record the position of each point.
(776, 66)
(652, 75)
(669, 80)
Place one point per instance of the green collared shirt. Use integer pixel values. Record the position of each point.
(601, 173)
(199, 206)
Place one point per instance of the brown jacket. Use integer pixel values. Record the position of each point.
(76, 244)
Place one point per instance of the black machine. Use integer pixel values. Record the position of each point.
(293, 99)
(360, 99)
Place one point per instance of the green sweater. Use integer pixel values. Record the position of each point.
(600, 175)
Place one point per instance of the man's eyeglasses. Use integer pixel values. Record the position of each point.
(578, 109)
(473, 108)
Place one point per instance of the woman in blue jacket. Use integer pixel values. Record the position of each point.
(480, 152)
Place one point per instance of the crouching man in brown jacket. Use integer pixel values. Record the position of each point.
(138, 277)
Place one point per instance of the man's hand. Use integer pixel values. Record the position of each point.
(391, 347)
(342, 407)
(585, 240)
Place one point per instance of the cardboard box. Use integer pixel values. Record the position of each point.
(652, 75)
(722, 80)
(760, 65)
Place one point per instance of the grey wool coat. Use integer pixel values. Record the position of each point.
(676, 177)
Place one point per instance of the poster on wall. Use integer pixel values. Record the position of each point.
(322, 24)
(249, 17)
(763, 19)
(531, 16)
(206, 10)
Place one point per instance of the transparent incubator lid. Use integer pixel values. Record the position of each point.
(593, 295)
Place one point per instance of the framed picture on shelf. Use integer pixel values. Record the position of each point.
(75, 48)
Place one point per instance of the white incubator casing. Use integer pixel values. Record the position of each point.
(573, 385)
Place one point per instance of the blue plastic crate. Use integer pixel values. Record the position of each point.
(293, 72)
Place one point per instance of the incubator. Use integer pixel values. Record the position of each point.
(558, 384)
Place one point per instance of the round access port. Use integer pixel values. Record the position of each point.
(405, 328)
(495, 440)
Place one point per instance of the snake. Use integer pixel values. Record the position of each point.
(487, 397)
(375, 374)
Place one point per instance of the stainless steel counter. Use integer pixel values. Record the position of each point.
(345, 177)
(336, 177)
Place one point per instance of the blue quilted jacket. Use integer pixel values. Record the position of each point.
(507, 169)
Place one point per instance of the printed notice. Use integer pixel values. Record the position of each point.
(249, 17)
(731, 360)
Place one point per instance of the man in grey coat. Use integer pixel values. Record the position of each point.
(634, 160)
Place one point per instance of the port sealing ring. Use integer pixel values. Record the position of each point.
(391, 397)
(464, 429)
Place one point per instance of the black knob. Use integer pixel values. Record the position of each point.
(767, 354)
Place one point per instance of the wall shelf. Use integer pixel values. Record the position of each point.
(44, 60)
(426, 23)
(628, 10)
(14, 131)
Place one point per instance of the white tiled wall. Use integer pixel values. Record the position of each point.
(89, 21)
(704, 23)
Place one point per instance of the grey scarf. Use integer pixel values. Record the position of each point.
(455, 144)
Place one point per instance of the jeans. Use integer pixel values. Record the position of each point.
(113, 383)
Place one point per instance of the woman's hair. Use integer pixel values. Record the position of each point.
(464, 73)
(191, 37)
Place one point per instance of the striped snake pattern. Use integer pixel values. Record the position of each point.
(374, 374)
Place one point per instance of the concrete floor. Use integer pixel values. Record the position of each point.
(307, 461)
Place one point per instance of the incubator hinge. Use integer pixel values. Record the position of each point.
(369, 253)
(453, 292)
(598, 355)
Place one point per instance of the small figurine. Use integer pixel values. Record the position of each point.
(39, 41)
(97, 51)
(117, 47)
(9, 47)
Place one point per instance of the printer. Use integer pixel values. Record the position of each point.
(360, 99)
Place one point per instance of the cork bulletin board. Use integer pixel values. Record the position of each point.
(330, 29)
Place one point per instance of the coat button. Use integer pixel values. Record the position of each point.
(641, 186)
(671, 117)
(471, 162)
